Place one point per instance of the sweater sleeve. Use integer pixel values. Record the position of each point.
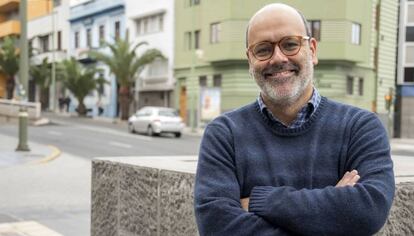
(358, 210)
(217, 193)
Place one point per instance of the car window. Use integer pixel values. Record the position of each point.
(144, 112)
(169, 113)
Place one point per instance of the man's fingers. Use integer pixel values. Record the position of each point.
(349, 179)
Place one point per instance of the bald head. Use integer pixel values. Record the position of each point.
(279, 9)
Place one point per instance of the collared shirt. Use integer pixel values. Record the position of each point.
(304, 114)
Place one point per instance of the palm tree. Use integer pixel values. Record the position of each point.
(42, 77)
(9, 63)
(79, 80)
(125, 64)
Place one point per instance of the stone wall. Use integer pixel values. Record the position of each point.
(154, 196)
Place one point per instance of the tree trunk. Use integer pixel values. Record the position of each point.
(81, 108)
(10, 86)
(44, 99)
(124, 99)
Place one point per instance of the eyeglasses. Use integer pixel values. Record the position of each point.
(289, 46)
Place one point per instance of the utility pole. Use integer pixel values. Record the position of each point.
(23, 77)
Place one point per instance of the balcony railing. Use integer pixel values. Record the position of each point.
(9, 5)
(9, 28)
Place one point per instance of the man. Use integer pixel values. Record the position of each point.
(293, 162)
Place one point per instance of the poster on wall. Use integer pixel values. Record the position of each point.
(210, 103)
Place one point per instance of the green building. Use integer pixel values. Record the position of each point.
(356, 51)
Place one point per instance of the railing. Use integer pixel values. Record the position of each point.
(10, 108)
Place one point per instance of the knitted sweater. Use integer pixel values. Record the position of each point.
(290, 174)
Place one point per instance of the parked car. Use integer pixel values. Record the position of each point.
(156, 120)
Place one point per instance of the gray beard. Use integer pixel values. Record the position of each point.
(298, 85)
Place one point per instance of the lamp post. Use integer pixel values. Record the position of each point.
(24, 75)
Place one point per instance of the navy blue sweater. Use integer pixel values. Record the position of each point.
(290, 174)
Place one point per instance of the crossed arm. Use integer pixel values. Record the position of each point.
(350, 178)
(357, 205)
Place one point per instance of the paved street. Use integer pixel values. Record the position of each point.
(49, 187)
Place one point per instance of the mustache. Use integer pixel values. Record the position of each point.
(281, 67)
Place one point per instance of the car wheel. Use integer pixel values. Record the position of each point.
(131, 128)
(177, 135)
(150, 131)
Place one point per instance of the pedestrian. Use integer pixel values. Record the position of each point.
(67, 101)
(62, 102)
(293, 162)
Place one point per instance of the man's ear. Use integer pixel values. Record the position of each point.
(313, 45)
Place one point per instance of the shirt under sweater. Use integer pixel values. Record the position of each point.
(290, 174)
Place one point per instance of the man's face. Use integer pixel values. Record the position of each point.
(282, 79)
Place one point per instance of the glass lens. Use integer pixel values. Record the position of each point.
(290, 45)
(263, 50)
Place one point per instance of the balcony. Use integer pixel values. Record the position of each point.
(9, 5)
(9, 28)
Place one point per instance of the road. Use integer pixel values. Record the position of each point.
(57, 194)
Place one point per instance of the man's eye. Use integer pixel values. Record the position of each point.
(262, 50)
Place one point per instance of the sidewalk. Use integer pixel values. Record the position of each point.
(38, 153)
(9, 158)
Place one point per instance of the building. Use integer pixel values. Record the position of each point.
(153, 22)
(49, 38)
(91, 23)
(404, 117)
(10, 23)
(356, 51)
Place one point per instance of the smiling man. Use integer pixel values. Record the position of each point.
(293, 162)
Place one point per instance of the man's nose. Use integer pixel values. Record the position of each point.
(278, 56)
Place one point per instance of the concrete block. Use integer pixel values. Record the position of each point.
(105, 190)
(401, 218)
(138, 196)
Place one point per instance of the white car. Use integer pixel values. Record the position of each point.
(156, 120)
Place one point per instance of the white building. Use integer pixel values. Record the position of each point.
(153, 22)
(49, 37)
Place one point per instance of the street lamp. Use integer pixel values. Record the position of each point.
(24, 75)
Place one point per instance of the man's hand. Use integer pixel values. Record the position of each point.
(245, 203)
(349, 179)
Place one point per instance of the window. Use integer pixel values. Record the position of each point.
(194, 2)
(101, 35)
(409, 54)
(76, 39)
(117, 29)
(409, 33)
(150, 24)
(202, 81)
(59, 40)
(187, 40)
(57, 3)
(356, 34)
(215, 30)
(360, 86)
(315, 29)
(197, 39)
(158, 68)
(409, 74)
(349, 85)
(44, 43)
(410, 13)
(217, 80)
(89, 37)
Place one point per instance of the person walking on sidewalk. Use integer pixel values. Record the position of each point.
(292, 162)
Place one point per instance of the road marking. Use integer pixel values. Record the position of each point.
(123, 145)
(55, 133)
(55, 153)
